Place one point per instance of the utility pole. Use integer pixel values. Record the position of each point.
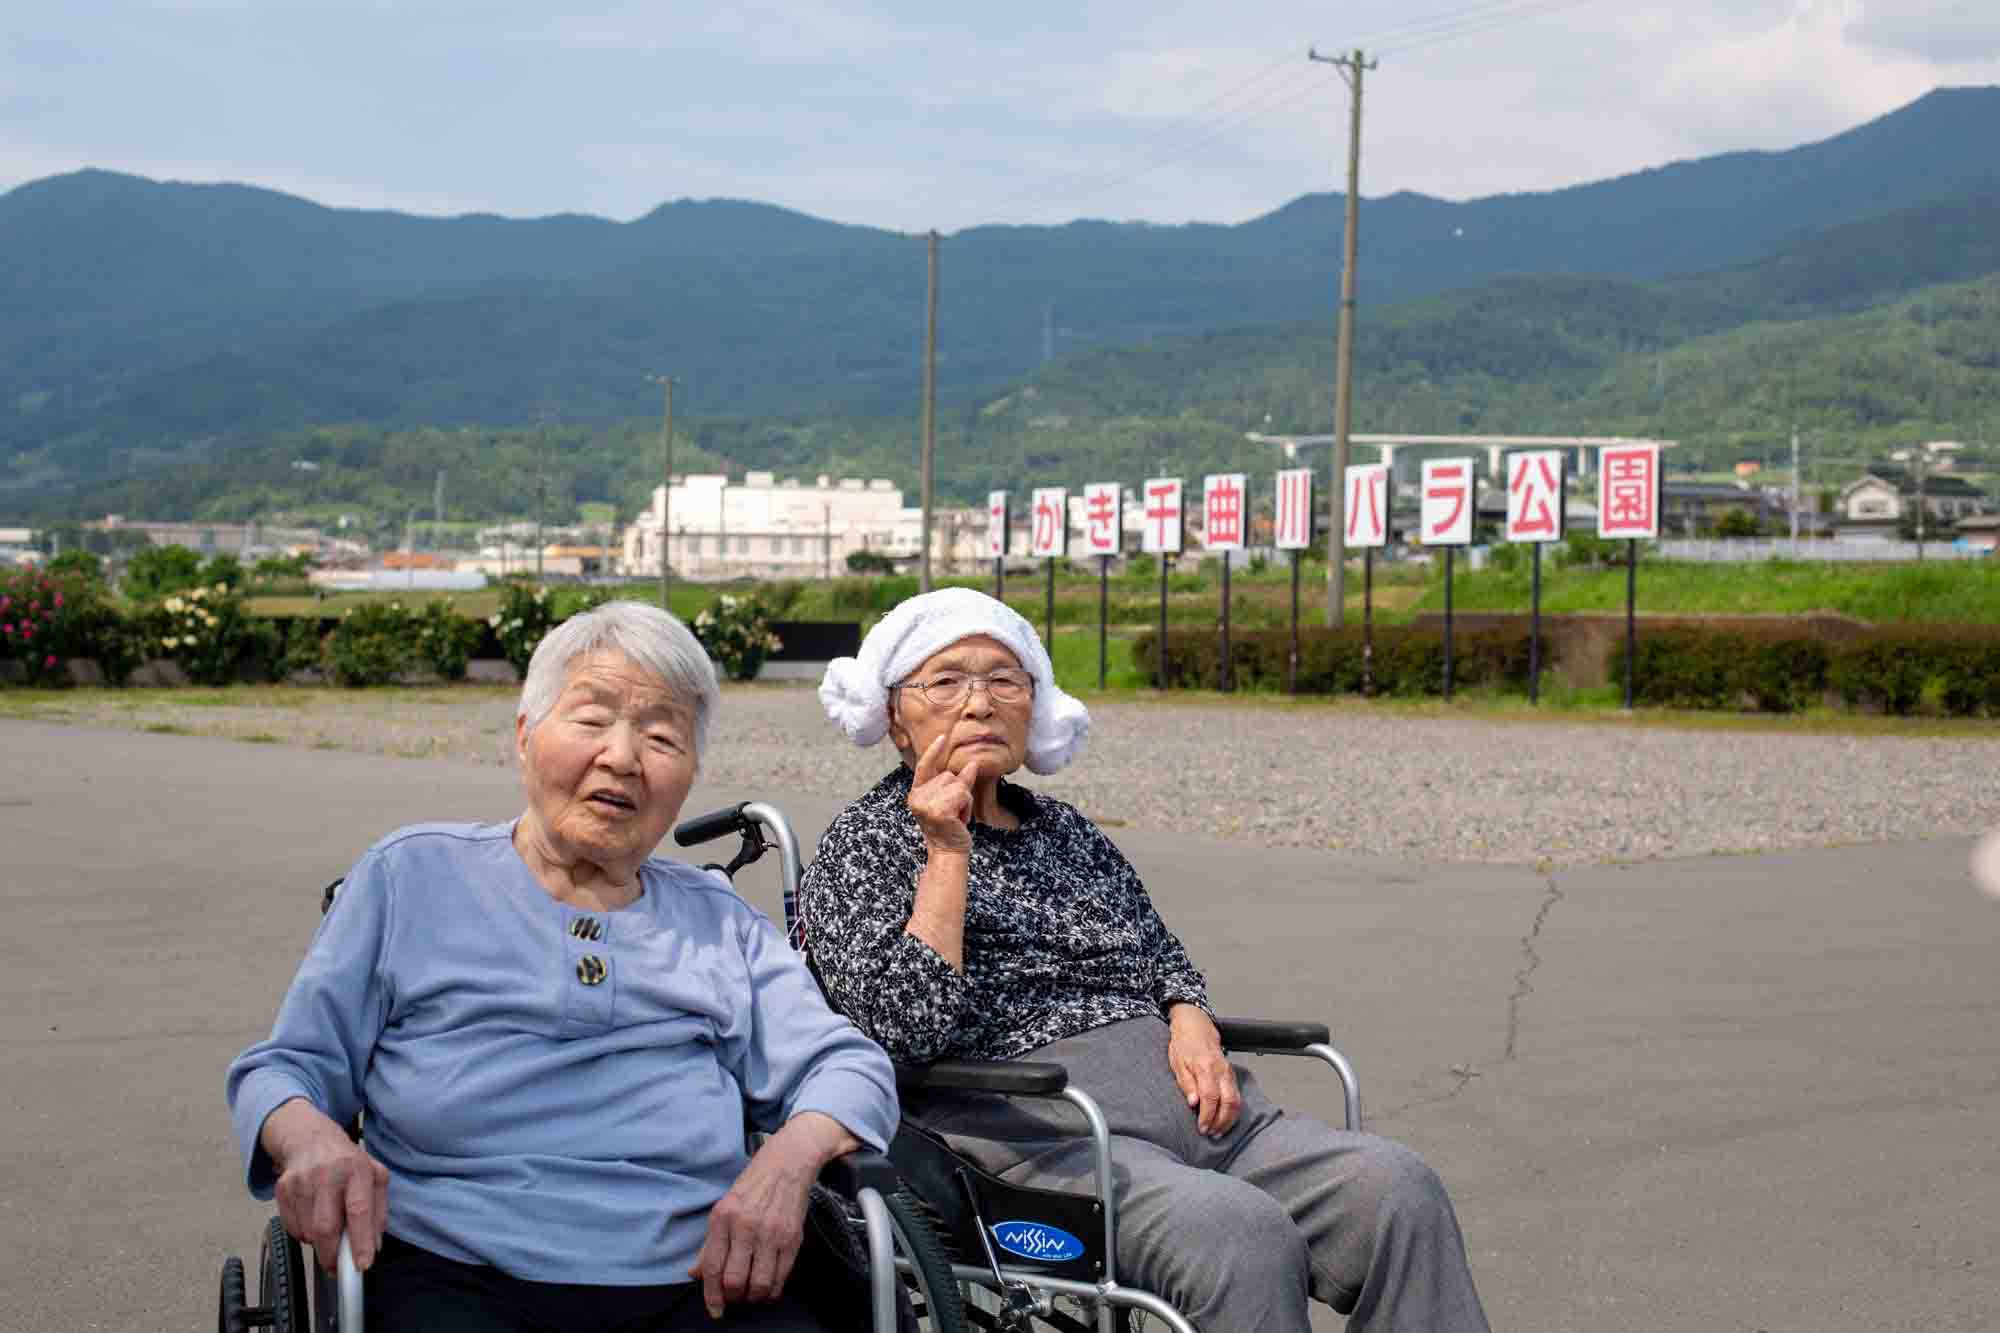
(1795, 485)
(930, 414)
(666, 488)
(1351, 69)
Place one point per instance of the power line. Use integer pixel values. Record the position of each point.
(1258, 95)
(1493, 22)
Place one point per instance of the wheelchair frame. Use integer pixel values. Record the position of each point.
(1024, 1293)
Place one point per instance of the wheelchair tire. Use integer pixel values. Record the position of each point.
(944, 1303)
(233, 1298)
(281, 1281)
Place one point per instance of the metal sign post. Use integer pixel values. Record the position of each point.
(1631, 614)
(1367, 622)
(1628, 506)
(1445, 519)
(1535, 515)
(1367, 510)
(1291, 530)
(1222, 518)
(1160, 535)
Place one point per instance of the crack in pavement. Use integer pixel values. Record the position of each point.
(1463, 1074)
(1523, 987)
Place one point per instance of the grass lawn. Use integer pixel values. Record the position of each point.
(1958, 590)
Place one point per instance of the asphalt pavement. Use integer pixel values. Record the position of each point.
(1734, 1093)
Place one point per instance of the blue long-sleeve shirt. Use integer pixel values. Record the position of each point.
(559, 1128)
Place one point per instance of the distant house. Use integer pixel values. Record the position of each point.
(1981, 531)
(1693, 508)
(1878, 503)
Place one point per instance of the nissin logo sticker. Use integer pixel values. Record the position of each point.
(1037, 1240)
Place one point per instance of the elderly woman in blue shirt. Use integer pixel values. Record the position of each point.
(556, 1038)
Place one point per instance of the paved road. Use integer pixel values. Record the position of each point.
(1719, 1094)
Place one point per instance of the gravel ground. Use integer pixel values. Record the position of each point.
(1388, 782)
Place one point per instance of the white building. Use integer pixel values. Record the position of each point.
(780, 529)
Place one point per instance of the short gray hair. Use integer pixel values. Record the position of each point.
(651, 638)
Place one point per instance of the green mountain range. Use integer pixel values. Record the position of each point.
(173, 348)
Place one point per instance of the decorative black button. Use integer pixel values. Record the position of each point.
(587, 928)
(590, 969)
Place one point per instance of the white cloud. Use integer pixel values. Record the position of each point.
(1940, 32)
(904, 116)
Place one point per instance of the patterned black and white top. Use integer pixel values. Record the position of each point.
(1060, 936)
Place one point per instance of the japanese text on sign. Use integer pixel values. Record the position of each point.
(1050, 518)
(1222, 512)
(1101, 518)
(1628, 491)
(1292, 526)
(1367, 506)
(996, 524)
(1161, 508)
(1535, 497)
(1445, 512)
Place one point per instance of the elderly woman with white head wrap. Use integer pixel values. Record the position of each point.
(950, 912)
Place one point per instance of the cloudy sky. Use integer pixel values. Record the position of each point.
(912, 115)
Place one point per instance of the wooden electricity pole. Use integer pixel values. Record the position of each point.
(930, 415)
(1351, 69)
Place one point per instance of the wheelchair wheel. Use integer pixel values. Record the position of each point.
(229, 1307)
(281, 1281)
(930, 1268)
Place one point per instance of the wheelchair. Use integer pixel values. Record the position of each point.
(864, 1234)
(1057, 1245)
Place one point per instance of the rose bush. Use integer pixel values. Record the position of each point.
(204, 630)
(525, 615)
(736, 631)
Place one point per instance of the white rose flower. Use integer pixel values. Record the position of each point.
(170, 642)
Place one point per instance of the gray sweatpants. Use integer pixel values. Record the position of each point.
(1235, 1232)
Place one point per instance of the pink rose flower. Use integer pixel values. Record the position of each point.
(58, 601)
(49, 661)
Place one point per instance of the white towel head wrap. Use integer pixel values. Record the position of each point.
(855, 690)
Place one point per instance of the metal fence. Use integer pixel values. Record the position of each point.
(1735, 551)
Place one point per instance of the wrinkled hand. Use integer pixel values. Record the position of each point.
(1202, 1068)
(754, 1231)
(327, 1185)
(941, 800)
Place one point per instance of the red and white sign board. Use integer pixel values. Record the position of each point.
(1535, 497)
(1628, 491)
(1049, 523)
(1445, 502)
(1160, 506)
(1222, 512)
(1367, 506)
(1292, 521)
(996, 524)
(1102, 521)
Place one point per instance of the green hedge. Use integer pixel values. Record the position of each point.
(1933, 670)
(1407, 661)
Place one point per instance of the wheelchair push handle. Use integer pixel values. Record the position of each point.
(715, 824)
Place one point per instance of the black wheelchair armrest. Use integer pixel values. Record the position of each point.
(864, 1168)
(1016, 1077)
(1263, 1034)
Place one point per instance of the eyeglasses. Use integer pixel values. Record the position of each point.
(949, 688)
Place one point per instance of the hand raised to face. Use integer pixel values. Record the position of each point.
(941, 800)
